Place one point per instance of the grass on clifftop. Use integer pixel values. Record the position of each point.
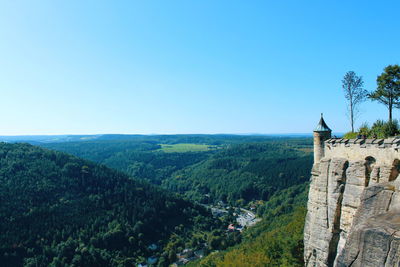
(380, 129)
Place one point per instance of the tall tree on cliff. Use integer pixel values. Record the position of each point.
(355, 94)
(388, 90)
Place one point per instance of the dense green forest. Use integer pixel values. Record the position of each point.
(241, 169)
(84, 214)
(242, 173)
(141, 159)
(275, 241)
(59, 210)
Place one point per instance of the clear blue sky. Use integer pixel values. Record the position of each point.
(90, 67)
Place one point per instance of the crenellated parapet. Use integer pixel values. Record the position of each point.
(362, 142)
(384, 151)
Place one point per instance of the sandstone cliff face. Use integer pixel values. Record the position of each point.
(353, 216)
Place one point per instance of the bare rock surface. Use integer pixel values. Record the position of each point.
(353, 216)
(374, 239)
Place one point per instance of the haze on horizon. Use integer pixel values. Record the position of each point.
(142, 67)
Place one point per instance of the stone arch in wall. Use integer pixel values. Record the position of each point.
(369, 166)
(394, 172)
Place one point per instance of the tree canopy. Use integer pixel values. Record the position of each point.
(276, 241)
(59, 210)
(354, 93)
(388, 89)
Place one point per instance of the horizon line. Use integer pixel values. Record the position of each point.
(155, 134)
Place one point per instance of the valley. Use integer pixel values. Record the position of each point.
(209, 198)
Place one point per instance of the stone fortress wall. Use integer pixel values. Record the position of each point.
(382, 151)
(353, 216)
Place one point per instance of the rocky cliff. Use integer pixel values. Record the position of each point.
(353, 214)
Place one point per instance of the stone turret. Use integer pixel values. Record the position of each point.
(321, 133)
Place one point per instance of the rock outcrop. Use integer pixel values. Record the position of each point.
(353, 216)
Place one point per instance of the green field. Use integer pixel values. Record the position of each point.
(181, 148)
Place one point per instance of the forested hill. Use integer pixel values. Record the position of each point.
(244, 172)
(275, 241)
(228, 168)
(59, 210)
(143, 159)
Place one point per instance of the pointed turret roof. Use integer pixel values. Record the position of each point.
(322, 127)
